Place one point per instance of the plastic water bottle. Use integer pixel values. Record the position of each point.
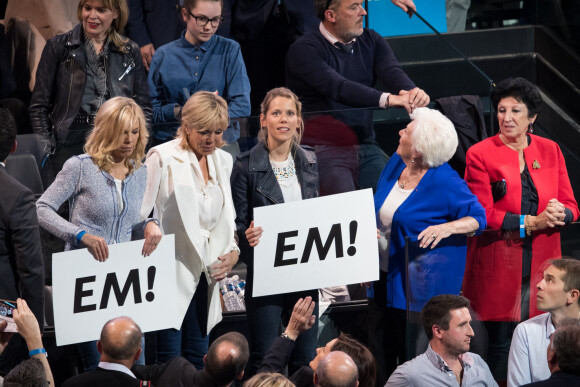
(229, 295)
(239, 287)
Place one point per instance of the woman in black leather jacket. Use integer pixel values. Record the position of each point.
(276, 170)
(79, 71)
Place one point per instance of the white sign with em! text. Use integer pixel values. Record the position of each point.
(316, 243)
(88, 293)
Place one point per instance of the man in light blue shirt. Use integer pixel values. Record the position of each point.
(447, 362)
(559, 295)
(199, 60)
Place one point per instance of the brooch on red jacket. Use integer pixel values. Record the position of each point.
(536, 165)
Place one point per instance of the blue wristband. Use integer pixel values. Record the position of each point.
(80, 235)
(37, 351)
(522, 226)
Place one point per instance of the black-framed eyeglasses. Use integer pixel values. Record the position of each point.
(203, 20)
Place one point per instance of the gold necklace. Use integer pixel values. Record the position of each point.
(402, 185)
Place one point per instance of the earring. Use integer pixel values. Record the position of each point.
(530, 128)
(412, 160)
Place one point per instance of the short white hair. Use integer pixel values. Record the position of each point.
(434, 136)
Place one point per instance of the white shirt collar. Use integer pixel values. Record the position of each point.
(116, 367)
(1, 163)
(328, 36)
(550, 328)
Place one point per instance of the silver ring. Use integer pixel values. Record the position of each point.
(226, 274)
(434, 236)
(155, 243)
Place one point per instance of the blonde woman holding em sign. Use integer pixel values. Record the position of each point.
(188, 183)
(277, 170)
(104, 188)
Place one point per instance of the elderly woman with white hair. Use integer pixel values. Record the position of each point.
(420, 196)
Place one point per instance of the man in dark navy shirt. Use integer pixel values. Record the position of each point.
(337, 68)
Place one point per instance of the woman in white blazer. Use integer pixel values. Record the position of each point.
(188, 185)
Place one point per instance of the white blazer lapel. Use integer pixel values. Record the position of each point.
(185, 196)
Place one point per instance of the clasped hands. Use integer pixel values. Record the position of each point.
(552, 216)
(410, 99)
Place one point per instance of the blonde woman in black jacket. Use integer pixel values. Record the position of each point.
(277, 170)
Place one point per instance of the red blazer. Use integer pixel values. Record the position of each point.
(493, 272)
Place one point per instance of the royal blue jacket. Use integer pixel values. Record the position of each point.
(441, 196)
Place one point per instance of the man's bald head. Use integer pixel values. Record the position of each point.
(336, 369)
(120, 339)
(227, 357)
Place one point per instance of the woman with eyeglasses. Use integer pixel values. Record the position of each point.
(188, 184)
(199, 60)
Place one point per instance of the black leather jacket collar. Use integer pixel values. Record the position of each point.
(254, 185)
(267, 185)
(61, 81)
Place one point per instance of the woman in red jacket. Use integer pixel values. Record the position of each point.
(522, 182)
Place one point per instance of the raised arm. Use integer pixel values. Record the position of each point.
(302, 319)
(29, 330)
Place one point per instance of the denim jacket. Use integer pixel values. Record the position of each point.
(94, 204)
(254, 185)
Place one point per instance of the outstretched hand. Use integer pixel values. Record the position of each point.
(406, 5)
(302, 318)
(29, 329)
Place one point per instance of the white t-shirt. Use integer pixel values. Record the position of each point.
(385, 220)
(119, 185)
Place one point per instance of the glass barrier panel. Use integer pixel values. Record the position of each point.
(501, 274)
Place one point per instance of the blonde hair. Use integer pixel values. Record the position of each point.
(265, 106)
(113, 118)
(267, 379)
(118, 24)
(203, 111)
